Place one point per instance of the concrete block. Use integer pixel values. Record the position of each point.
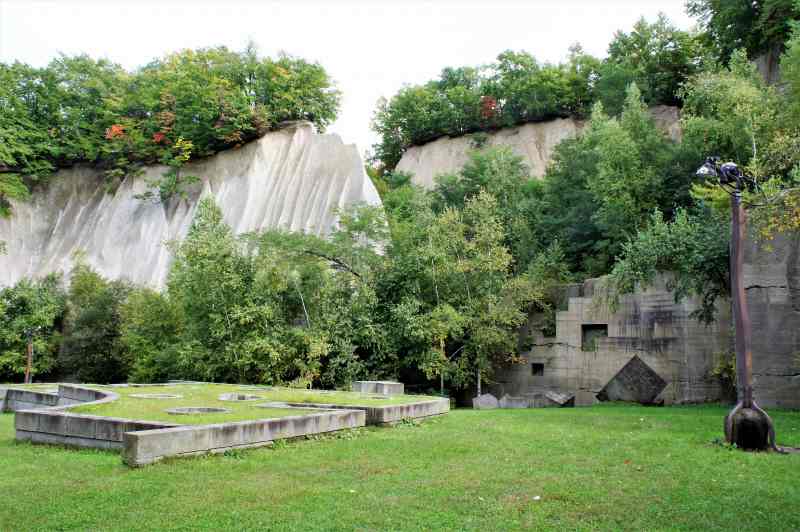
(379, 387)
(508, 401)
(81, 426)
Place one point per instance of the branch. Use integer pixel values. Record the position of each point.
(334, 260)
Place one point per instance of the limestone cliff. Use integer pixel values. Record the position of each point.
(534, 142)
(293, 178)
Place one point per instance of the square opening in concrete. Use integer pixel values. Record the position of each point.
(590, 334)
(537, 369)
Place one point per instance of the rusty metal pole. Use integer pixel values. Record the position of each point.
(741, 316)
(747, 424)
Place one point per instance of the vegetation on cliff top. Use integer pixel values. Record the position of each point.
(187, 104)
(516, 88)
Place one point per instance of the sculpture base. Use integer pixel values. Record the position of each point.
(750, 429)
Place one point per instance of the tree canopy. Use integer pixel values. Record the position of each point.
(187, 104)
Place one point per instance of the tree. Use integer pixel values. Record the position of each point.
(602, 186)
(192, 103)
(502, 174)
(693, 249)
(658, 57)
(449, 291)
(34, 307)
(90, 351)
(757, 26)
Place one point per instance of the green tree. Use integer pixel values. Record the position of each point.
(692, 250)
(757, 26)
(658, 57)
(90, 350)
(36, 307)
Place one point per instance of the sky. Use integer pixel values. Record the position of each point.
(370, 48)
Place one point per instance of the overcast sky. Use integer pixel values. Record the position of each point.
(371, 48)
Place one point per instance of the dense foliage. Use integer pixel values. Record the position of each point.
(188, 104)
(30, 309)
(756, 26)
(90, 349)
(433, 287)
(516, 88)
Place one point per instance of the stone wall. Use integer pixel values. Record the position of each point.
(772, 284)
(593, 344)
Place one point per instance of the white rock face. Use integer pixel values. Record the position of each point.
(293, 179)
(533, 142)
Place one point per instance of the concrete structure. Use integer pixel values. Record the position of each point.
(534, 142)
(593, 343)
(292, 179)
(40, 419)
(389, 414)
(148, 446)
(379, 387)
(772, 284)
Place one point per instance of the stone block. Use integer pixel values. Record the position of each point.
(561, 399)
(635, 382)
(379, 387)
(145, 447)
(486, 401)
(508, 401)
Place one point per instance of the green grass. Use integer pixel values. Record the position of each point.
(612, 467)
(208, 395)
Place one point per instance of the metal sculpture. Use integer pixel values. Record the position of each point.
(747, 425)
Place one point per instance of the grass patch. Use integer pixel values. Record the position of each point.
(611, 467)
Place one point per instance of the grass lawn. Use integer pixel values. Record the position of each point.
(607, 467)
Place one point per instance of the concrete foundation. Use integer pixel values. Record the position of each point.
(45, 418)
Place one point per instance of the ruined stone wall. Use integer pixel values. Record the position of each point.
(593, 343)
(772, 284)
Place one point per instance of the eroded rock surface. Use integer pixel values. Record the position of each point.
(534, 142)
(293, 179)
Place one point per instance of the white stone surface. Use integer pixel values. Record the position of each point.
(534, 142)
(293, 178)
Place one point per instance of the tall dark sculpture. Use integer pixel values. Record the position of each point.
(747, 425)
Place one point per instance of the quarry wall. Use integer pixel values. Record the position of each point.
(293, 178)
(534, 142)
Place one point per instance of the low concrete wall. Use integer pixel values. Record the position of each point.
(58, 427)
(145, 442)
(47, 420)
(148, 446)
(381, 415)
(25, 399)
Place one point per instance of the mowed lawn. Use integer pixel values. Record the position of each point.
(606, 467)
